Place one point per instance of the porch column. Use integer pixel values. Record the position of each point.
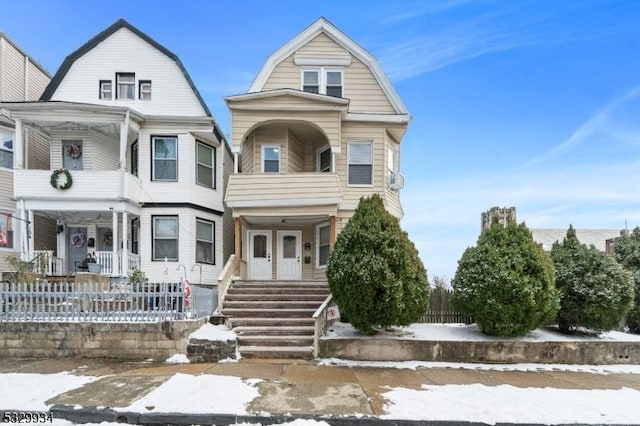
(18, 147)
(24, 232)
(114, 246)
(332, 232)
(31, 234)
(124, 133)
(235, 163)
(238, 239)
(125, 244)
(333, 161)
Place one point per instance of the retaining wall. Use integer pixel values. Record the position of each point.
(158, 340)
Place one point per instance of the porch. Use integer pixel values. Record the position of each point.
(47, 264)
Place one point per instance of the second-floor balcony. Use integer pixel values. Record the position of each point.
(87, 185)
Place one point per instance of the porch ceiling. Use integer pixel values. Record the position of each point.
(77, 217)
(284, 221)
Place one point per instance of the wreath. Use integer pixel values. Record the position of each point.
(74, 151)
(55, 176)
(77, 239)
(107, 238)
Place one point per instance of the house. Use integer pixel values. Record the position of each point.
(136, 163)
(599, 238)
(319, 128)
(21, 79)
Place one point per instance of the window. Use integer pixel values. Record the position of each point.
(271, 159)
(106, 90)
(135, 232)
(205, 165)
(165, 237)
(322, 244)
(134, 159)
(144, 89)
(165, 158)
(125, 85)
(360, 159)
(7, 230)
(6, 147)
(205, 250)
(324, 160)
(326, 81)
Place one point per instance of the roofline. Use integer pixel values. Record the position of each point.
(323, 25)
(99, 38)
(78, 106)
(286, 91)
(33, 61)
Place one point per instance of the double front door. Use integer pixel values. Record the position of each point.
(287, 258)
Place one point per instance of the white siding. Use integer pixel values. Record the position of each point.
(126, 52)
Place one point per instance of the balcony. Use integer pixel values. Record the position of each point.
(88, 185)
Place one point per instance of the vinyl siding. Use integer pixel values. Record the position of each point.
(37, 82)
(295, 152)
(126, 52)
(13, 74)
(44, 233)
(392, 198)
(248, 155)
(270, 136)
(38, 150)
(228, 226)
(6, 196)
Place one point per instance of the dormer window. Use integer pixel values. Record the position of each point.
(106, 90)
(322, 80)
(125, 85)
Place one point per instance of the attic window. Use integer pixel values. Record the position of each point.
(106, 90)
(125, 85)
(322, 80)
(144, 89)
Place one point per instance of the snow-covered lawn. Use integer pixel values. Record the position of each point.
(28, 392)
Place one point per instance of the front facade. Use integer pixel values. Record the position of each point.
(319, 128)
(136, 163)
(21, 79)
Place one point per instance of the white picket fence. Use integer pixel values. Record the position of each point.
(94, 302)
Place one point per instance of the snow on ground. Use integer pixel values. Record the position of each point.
(213, 332)
(204, 394)
(28, 392)
(470, 332)
(505, 403)
(297, 422)
(177, 359)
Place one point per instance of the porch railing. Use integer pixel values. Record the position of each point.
(321, 322)
(225, 279)
(45, 263)
(105, 258)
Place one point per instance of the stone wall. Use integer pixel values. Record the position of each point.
(134, 341)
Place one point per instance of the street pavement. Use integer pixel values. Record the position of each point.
(338, 395)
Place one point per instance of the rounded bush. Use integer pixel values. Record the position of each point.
(506, 282)
(627, 253)
(374, 271)
(595, 291)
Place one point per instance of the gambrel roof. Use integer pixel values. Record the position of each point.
(119, 24)
(322, 25)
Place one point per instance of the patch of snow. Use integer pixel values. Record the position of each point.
(215, 395)
(178, 359)
(35, 389)
(505, 403)
(228, 360)
(470, 332)
(213, 333)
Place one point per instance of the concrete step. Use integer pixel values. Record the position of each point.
(269, 313)
(274, 330)
(300, 283)
(277, 290)
(275, 341)
(266, 304)
(317, 297)
(276, 352)
(270, 322)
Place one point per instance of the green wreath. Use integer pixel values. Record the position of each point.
(54, 179)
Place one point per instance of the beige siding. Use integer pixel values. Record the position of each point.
(285, 75)
(228, 225)
(37, 82)
(44, 233)
(295, 151)
(270, 136)
(6, 197)
(38, 150)
(392, 198)
(248, 155)
(281, 187)
(13, 73)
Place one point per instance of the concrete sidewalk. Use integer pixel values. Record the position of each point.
(338, 395)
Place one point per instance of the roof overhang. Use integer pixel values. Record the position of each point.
(62, 111)
(313, 101)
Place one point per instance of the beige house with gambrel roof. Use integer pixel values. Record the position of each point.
(319, 128)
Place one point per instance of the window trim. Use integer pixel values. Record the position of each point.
(135, 155)
(309, 69)
(125, 74)
(101, 91)
(213, 165)
(262, 159)
(360, 142)
(153, 237)
(318, 226)
(12, 150)
(153, 158)
(318, 163)
(322, 78)
(142, 92)
(213, 241)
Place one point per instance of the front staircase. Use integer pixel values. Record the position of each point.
(273, 319)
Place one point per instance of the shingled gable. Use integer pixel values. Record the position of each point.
(120, 23)
(322, 25)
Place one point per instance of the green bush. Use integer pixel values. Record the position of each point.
(374, 271)
(627, 253)
(506, 282)
(595, 291)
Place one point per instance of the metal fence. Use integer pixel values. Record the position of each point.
(441, 310)
(149, 302)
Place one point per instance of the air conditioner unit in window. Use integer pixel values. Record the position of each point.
(396, 181)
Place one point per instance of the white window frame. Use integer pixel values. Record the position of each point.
(263, 158)
(104, 91)
(322, 225)
(212, 167)
(155, 237)
(144, 93)
(11, 150)
(153, 157)
(318, 153)
(132, 83)
(322, 78)
(212, 241)
(360, 142)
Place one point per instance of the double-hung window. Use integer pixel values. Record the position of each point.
(324, 160)
(271, 159)
(322, 244)
(144, 89)
(205, 165)
(165, 237)
(125, 85)
(165, 158)
(205, 237)
(6, 147)
(106, 90)
(326, 81)
(360, 160)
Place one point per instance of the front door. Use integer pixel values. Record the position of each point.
(76, 248)
(72, 155)
(260, 255)
(289, 248)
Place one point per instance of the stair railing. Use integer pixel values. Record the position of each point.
(225, 279)
(321, 323)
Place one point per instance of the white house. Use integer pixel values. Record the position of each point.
(137, 163)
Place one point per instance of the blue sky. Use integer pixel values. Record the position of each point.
(533, 104)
